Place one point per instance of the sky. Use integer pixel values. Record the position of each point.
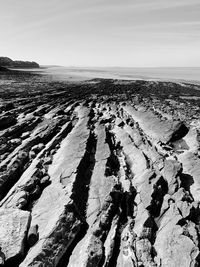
(124, 33)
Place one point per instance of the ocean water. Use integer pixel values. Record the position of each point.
(179, 74)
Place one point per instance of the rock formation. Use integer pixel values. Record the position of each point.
(98, 173)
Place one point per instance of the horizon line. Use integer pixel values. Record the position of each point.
(138, 67)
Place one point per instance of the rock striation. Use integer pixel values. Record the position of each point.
(98, 174)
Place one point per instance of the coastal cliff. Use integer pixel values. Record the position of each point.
(9, 63)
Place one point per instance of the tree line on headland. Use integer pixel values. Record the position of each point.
(9, 63)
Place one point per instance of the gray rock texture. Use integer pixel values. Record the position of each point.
(99, 173)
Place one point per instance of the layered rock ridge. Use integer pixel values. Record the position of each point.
(103, 181)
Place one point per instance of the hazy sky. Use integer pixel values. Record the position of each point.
(128, 33)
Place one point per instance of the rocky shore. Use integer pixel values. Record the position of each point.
(98, 173)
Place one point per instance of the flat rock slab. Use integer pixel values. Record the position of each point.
(159, 130)
(172, 246)
(14, 224)
(50, 248)
(100, 185)
(191, 169)
(87, 253)
(135, 157)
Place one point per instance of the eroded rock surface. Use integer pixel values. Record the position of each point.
(98, 173)
(14, 225)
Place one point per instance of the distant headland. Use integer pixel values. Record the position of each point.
(9, 63)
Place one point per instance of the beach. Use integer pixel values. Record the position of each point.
(94, 168)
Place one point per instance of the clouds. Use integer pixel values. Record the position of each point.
(102, 32)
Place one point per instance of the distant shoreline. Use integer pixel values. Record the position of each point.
(189, 75)
(179, 75)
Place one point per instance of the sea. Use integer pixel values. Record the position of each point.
(176, 74)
